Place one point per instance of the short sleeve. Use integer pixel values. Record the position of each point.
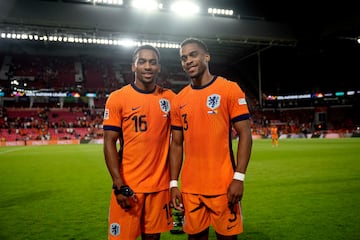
(112, 113)
(238, 107)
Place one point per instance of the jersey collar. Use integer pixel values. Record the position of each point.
(206, 85)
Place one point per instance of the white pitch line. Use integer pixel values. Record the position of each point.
(12, 150)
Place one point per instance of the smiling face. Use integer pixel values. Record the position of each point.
(194, 60)
(146, 68)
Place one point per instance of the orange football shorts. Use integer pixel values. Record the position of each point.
(202, 211)
(150, 214)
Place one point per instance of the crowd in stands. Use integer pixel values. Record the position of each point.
(86, 124)
(82, 74)
(302, 121)
(50, 124)
(45, 119)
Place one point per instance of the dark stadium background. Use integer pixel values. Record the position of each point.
(302, 189)
(303, 44)
(271, 48)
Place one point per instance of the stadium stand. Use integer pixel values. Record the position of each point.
(31, 118)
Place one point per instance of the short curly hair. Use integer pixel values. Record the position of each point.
(149, 47)
(197, 41)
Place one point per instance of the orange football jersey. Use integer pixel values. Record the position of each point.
(144, 120)
(205, 115)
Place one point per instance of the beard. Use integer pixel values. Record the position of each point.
(197, 74)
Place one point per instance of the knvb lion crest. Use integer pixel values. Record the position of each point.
(213, 102)
(164, 105)
(114, 229)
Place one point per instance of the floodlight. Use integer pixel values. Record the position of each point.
(109, 2)
(127, 42)
(225, 12)
(185, 8)
(67, 38)
(145, 4)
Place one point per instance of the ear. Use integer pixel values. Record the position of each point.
(207, 57)
(159, 68)
(133, 67)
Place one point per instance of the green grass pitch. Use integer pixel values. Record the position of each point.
(303, 189)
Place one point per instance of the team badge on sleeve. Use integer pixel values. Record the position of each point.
(165, 106)
(106, 113)
(242, 101)
(213, 102)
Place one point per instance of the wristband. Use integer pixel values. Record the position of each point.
(239, 176)
(124, 190)
(173, 183)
